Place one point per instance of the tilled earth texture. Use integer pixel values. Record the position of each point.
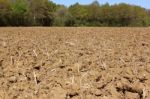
(74, 63)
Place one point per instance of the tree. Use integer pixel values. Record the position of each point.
(41, 12)
(60, 15)
(47, 13)
(20, 13)
(63, 17)
(121, 15)
(140, 16)
(5, 12)
(79, 12)
(148, 11)
(106, 14)
(93, 15)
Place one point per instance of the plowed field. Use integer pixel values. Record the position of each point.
(74, 63)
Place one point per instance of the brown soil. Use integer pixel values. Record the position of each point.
(74, 63)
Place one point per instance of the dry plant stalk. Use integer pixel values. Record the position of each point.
(122, 60)
(82, 76)
(34, 51)
(144, 93)
(36, 82)
(11, 60)
(72, 80)
(104, 66)
(35, 78)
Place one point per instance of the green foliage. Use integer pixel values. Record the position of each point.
(79, 13)
(60, 16)
(47, 13)
(41, 12)
(19, 13)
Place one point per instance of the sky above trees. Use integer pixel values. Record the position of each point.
(143, 3)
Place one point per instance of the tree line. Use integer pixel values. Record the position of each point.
(47, 13)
